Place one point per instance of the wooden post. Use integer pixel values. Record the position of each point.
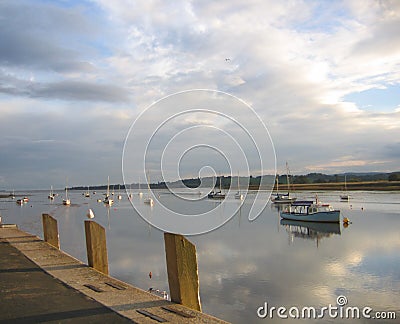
(50, 230)
(96, 246)
(183, 277)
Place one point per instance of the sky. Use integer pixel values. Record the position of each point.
(323, 76)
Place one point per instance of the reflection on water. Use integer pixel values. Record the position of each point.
(244, 264)
(310, 230)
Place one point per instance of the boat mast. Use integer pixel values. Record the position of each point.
(108, 186)
(287, 177)
(66, 190)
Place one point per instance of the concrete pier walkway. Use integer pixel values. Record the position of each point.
(40, 283)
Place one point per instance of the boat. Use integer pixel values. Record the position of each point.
(66, 201)
(130, 196)
(119, 197)
(107, 200)
(25, 199)
(345, 196)
(87, 194)
(140, 193)
(148, 200)
(310, 211)
(217, 194)
(20, 202)
(90, 213)
(280, 198)
(51, 194)
(238, 195)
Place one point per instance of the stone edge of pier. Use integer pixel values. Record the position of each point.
(121, 297)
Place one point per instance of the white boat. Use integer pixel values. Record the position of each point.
(119, 197)
(308, 211)
(345, 196)
(140, 193)
(51, 194)
(66, 201)
(107, 200)
(148, 200)
(87, 194)
(90, 213)
(238, 195)
(280, 198)
(217, 194)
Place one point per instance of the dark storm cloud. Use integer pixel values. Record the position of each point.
(76, 90)
(65, 90)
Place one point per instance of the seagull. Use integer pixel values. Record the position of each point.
(227, 59)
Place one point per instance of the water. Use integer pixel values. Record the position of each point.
(242, 265)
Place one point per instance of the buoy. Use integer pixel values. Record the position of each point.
(90, 213)
(346, 222)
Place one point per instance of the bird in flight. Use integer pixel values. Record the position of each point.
(227, 59)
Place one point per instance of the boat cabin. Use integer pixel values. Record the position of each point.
(309, 207)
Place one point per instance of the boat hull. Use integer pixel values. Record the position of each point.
(216, 196)
(322, 217)
(283, 200)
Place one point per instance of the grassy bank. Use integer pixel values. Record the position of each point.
(364, 185)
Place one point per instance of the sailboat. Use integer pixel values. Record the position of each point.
(238, 195)
(119, 197)
(345, 196)
(107, 200)
(66, 201)
(283, 198)
(140, 193)
(51, 194)
(148, 200)
(217, 194)
(130, 196)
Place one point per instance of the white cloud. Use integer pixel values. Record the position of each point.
(293, 61)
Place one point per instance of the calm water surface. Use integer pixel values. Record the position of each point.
(244, 264)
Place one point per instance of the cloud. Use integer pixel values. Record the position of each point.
(293, 61)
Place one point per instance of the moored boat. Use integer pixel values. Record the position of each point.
(283, 198)
(309, 211)
(107, 200)
(51, 194)
(66, 201)
(345, 196)
(148, 200)
(238, 195)
(217, 194)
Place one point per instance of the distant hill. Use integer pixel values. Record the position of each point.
(254, 182)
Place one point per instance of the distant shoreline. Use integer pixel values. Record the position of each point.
(381, 185)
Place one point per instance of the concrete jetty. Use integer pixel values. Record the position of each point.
(40, 283)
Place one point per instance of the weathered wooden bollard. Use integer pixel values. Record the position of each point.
(50, 230)
(96, 246)
(183, 276)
